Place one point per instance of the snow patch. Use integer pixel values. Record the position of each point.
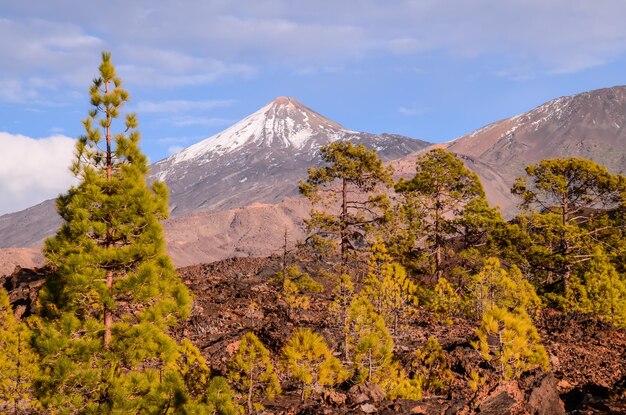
(280, 123)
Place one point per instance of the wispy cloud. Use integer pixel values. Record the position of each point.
(186, 121)
(412, 111)
(178, 106)
(54, 45)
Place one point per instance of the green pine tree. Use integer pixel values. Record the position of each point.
(388, 287)
(308, 359)
(600, 291)
(252, 371)
(114, 293)
(511, 341)
(352, 184)
(18, 363)
(440, 189)
(562, 203)
(370, 345)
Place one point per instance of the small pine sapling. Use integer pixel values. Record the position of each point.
(431, 365)
(308, 359)
(252, 371)
(510, 340)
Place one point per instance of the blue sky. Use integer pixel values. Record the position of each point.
(429, 69)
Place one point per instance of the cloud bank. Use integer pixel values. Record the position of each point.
(33, 170)
(51, 43)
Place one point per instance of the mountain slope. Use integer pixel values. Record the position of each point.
(261, 158)
(258, 160)
(589, 125)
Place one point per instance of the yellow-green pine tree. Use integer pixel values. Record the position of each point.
(114, 293)
(516, 348)
(600, 291)
(18, 363)
(446, 302)
(252, 371)
(431, 365)
(308, 359)
(370, 345)
(495, 286)
(388, 287)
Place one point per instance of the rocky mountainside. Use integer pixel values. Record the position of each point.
(258, 160)
(237, 295)
(261, 158)
(591, 125)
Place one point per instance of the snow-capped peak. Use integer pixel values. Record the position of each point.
(284, 122)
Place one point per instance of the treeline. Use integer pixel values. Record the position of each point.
(566, 241)
(381, 251)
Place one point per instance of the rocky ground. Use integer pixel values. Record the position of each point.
(588, 357)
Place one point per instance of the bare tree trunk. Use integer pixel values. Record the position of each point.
(107, 313)
(19, 374)
(344, 224)
(438, 243)
(250, 406)
(284, 264)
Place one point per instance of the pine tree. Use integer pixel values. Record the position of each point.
(194, 369)
(340, 307)
(431, 365)
(494, 286)
(562, 200)
(446, 302)
(600, 291)
(441, 188)
(369, 343)
(294, 286)
(18, 363)
(388, 287)
(103, 340)
(220, 398)
(511, 339)
(308, 359)
(352, 181)
(397, 384)
(251, 369)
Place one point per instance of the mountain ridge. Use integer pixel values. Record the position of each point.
(260, 159)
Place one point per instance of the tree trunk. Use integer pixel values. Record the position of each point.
(19, 374)
(369, 374)
(438, 243)
(250, 406)
(107, 313)
(344, 222)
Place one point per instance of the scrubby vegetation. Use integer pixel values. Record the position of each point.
(383, 253)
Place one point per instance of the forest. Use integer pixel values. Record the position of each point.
(381, 251)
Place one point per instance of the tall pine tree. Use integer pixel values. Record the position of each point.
(353, 182)
(114, 292)
(440, 190)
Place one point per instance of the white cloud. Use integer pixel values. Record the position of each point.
(48, 45)
(33, 170)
